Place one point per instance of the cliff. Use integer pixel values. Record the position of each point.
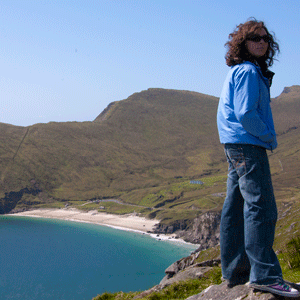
(203, 230)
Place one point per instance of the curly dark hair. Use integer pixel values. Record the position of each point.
(237, 51)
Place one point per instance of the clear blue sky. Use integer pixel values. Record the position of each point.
(66, 60)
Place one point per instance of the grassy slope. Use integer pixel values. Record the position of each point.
(285, 160)
(146, 141)
(144, 151)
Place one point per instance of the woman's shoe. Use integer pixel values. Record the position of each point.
(281, 289)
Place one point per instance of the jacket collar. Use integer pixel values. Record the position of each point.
(267, 74)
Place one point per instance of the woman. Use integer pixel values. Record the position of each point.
(246, 129)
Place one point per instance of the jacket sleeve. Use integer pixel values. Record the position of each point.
(246, 98)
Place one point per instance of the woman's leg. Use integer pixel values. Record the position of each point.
(260, 216)
(235, 263)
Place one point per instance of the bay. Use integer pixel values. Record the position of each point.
(53, 259)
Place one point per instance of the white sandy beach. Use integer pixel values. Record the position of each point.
(126, 222)
(129, 222)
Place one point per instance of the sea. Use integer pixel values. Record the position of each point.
(53, 259)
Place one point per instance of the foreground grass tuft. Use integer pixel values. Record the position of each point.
(292, 253)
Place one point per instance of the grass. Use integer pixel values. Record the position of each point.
(143, 141)
(288, 222)
(185, 289)
(143, 150)
(170, 202)
(290, 259)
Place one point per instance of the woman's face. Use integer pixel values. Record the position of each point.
(258, 48)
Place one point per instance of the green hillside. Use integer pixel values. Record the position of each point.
(285, 161)
(142, 151)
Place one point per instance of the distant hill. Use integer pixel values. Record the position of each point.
(152, 139)
(285, 161)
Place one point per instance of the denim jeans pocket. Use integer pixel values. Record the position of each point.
(236, 159)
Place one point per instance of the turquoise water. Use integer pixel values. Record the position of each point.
(56, 260)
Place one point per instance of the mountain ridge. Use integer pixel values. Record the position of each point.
(122, 152)
(140, 150)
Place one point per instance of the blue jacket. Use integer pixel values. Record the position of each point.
(244, 113)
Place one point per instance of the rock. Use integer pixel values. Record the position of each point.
(11, 199)
(144, 294)
(292, 226)
(239, 292)
(210, 263)
(203, 230)
(172, 270)
(171, 228)
(286, 90)
(189, 273)
(186, 268)
(183, 269)
(181, 264)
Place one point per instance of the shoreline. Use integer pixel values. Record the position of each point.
(129, 222)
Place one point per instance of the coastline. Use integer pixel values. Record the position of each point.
(129, 222)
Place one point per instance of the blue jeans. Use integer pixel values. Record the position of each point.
(248, 218)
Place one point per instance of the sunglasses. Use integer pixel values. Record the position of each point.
(257, 38)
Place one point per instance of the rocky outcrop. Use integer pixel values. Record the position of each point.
(10, 200)
(183, 269)
(238, 292)
(203, 230)
(187, 268)
(178, 225)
